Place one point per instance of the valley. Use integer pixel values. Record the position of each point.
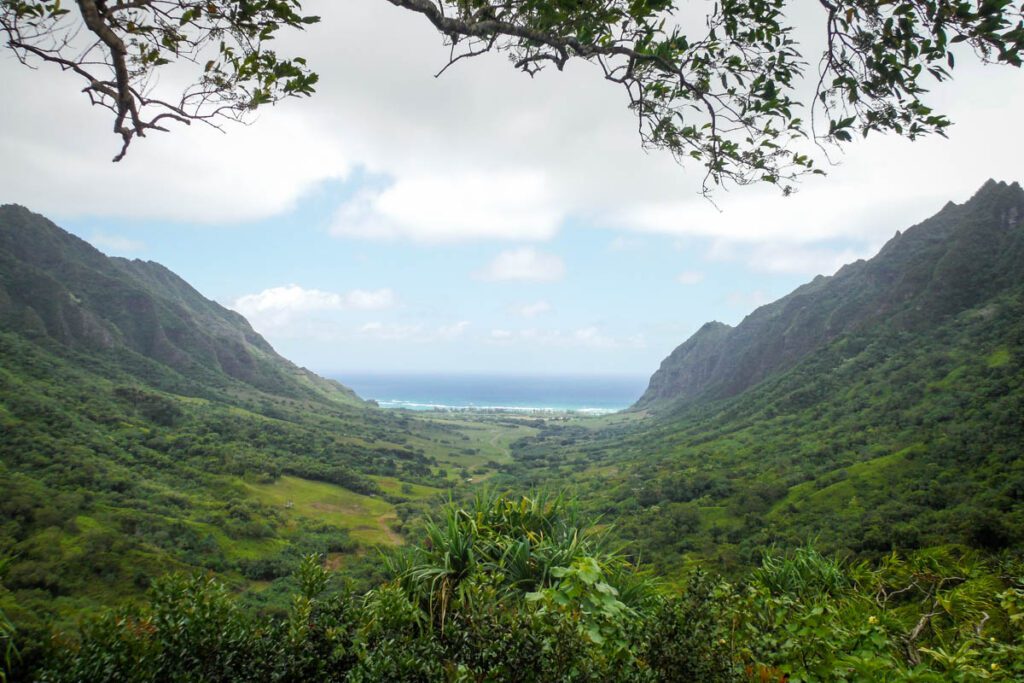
(147, 430)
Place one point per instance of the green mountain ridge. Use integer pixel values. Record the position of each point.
(57, 285)
(145, 428)
(895, 424)
(963, 255)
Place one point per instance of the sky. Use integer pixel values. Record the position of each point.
(480, 222)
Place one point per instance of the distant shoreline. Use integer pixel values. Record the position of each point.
(518, 410)
(499, 394)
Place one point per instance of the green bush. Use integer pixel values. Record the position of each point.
(520, 589)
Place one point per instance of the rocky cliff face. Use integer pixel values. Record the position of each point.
(955, 260)
(689, 367)
(55, 286)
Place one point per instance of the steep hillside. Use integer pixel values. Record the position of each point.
(957, 259)
(145, 428)
(875, 410)
(54, 284)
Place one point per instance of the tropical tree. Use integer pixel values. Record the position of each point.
(723, 92)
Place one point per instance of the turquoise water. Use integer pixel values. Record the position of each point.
(594, 394)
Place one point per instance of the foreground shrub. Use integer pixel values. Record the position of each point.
(520, 590)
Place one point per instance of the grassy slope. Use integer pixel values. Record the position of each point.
(298, 500)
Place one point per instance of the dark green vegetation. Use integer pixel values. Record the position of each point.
(880, 408)
(520, 590)
(848, 458)
(144, 428)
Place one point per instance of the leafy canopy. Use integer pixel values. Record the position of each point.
(935, 616)
(724, 92)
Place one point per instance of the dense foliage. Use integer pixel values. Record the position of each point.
(145, 428)
(875, 410)
(881, 441)
(108, 482)
(519, 590)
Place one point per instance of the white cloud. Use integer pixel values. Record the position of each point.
(504, 205)
(525, 264)
(772, 259)
(591, 337)
(690, 277)
(281, 308)
(481, 153)
(194, 174)
(789, 259)
(116, 244)
(296, 299)
(532, 310)
(412, 333)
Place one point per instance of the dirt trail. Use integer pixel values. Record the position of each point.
(505, 449)
(393, 536)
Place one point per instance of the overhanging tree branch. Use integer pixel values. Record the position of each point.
(117, 49)
(724, 94)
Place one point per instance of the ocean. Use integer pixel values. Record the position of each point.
(591, 394)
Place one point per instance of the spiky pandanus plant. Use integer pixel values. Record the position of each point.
(436, 570)
(513, 545)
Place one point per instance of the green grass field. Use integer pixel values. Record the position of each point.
(396, 487)
(367, 519)
(473, 443)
